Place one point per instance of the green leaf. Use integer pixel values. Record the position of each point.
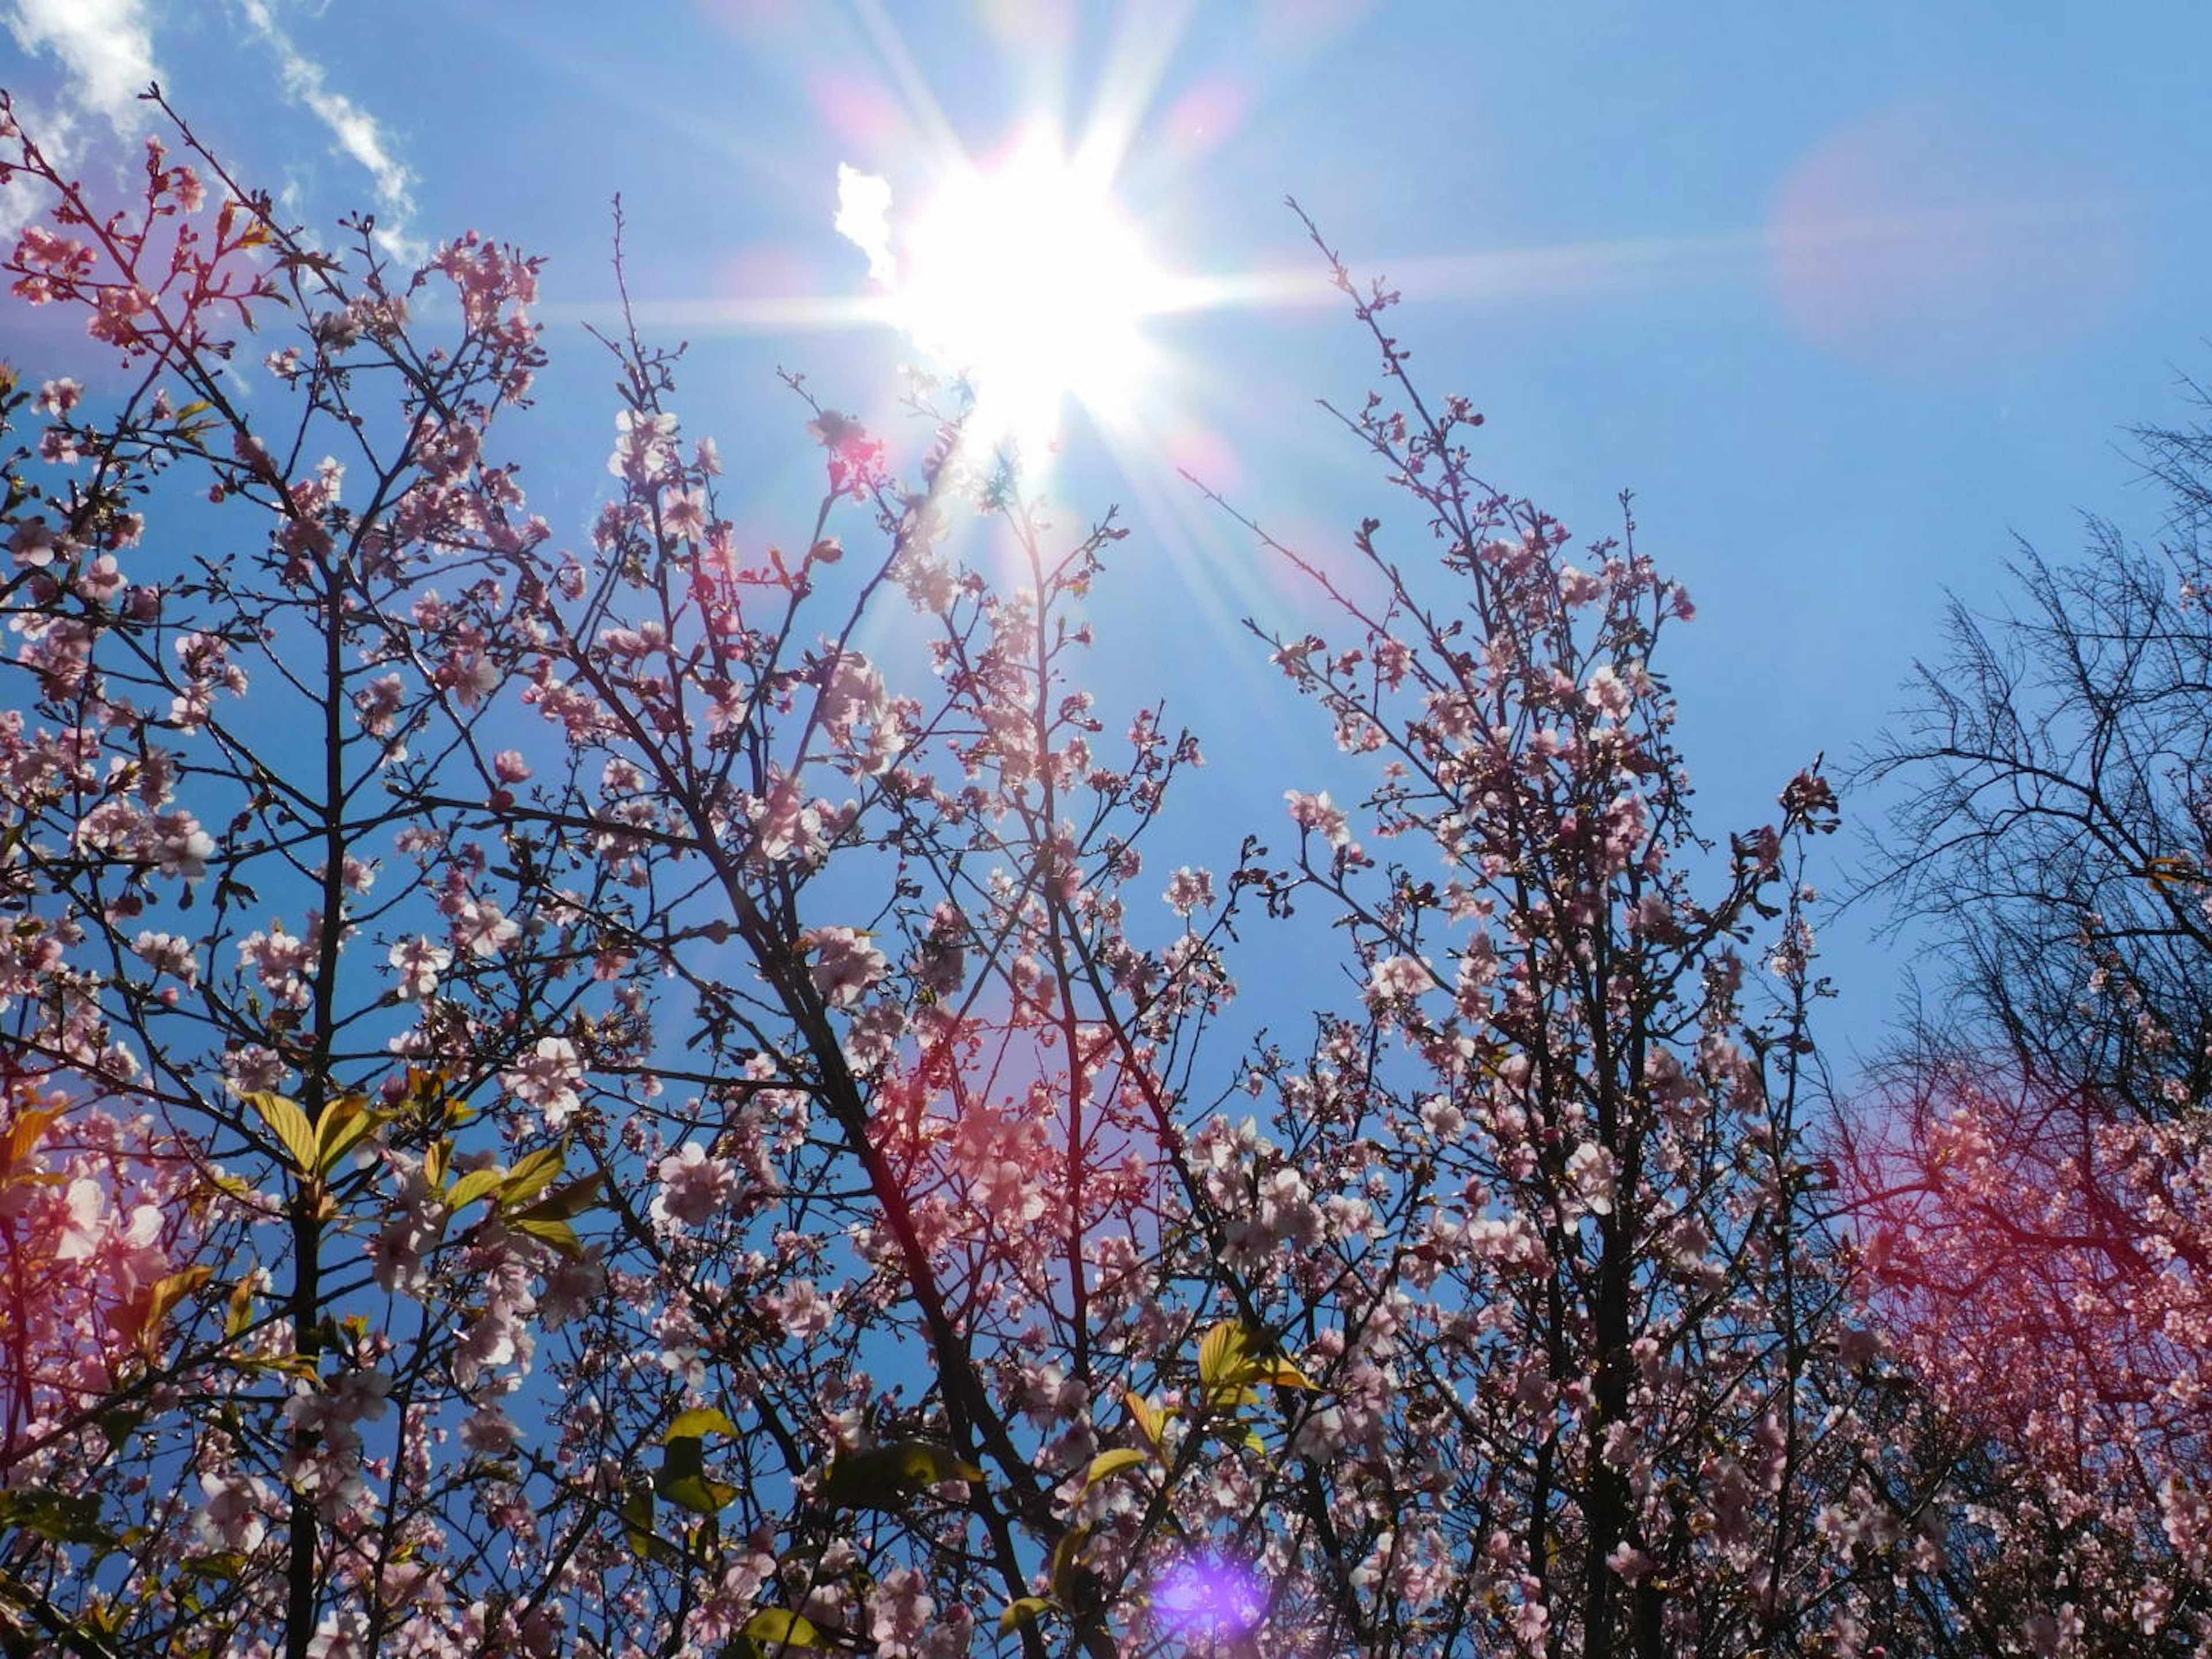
(1150, 1421)
(227, 1564)
(345, 1123)
(531, 1175)
(1021, 1612)
(557, 1233)
(162, 1301)
(775, 1628)
(1066, 1560)
(473, 1186)
(289, 1125)
(1281, 1372)
(889, 1477)
(691, 1425)
(1221, 1354)
(637, 1525)
(238, 1315)
(681, 1478)
(1108, 1464)
(58, 1517)
(562, 1203)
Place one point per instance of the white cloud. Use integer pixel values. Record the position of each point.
(864, 210)
(55, 132)
(109, 45)
(354, 128)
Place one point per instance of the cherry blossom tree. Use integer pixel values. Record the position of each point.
(1547, 1186)
(638, 1097)
(2033, 1217)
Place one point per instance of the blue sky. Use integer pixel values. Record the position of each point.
(1849, 296)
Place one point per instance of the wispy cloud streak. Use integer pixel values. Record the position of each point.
(356, 131)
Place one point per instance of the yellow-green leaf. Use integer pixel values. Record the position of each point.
(238, 1317)
(1150, 1421)
(697, 1493)
(692, 1424)
(1221, 1354)
(1281, 1372)
(345, 1124)
(637, 1524)
(476, 1184)
(563, 1203)
(779, 1627)
(557, 1233)
(681, 1478)
(434, 1162)
(1108, 1464)
(289, 1125)
(531, 1175)
(28, 1130)
(198, 406)
(1067, 1557)
(1021, 1612)
(162, 1301)
(888, 1477)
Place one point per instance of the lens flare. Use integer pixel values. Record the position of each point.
(1023, 276)
(1210, 1595)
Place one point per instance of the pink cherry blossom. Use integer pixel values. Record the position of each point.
(843, 964)
(549, 1077)
(694, 1186)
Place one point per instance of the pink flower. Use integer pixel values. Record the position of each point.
(1592, 1174)
(84, 1221)
(481, 928)
(548, 1076)
(33, 543)
(898, 1612)
(491, 1430)
(645, 446)
(167, 953)
(1400, 976)
(1607, 694)
(231, 1519)
(1189, 890)
(694, 1186)
(100, 581)
(843, 964)
(282, 962)
(682, 514)
(419, 962)
(1631, 1563)
(788, 824)
(1318, 812)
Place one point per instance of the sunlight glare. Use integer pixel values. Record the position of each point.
(1027, 278)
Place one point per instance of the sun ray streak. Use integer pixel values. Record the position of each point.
(928, 115)
(1137, 60)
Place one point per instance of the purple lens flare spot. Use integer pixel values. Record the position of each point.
(1209, 1595)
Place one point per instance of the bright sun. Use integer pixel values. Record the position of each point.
(1026, 277)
